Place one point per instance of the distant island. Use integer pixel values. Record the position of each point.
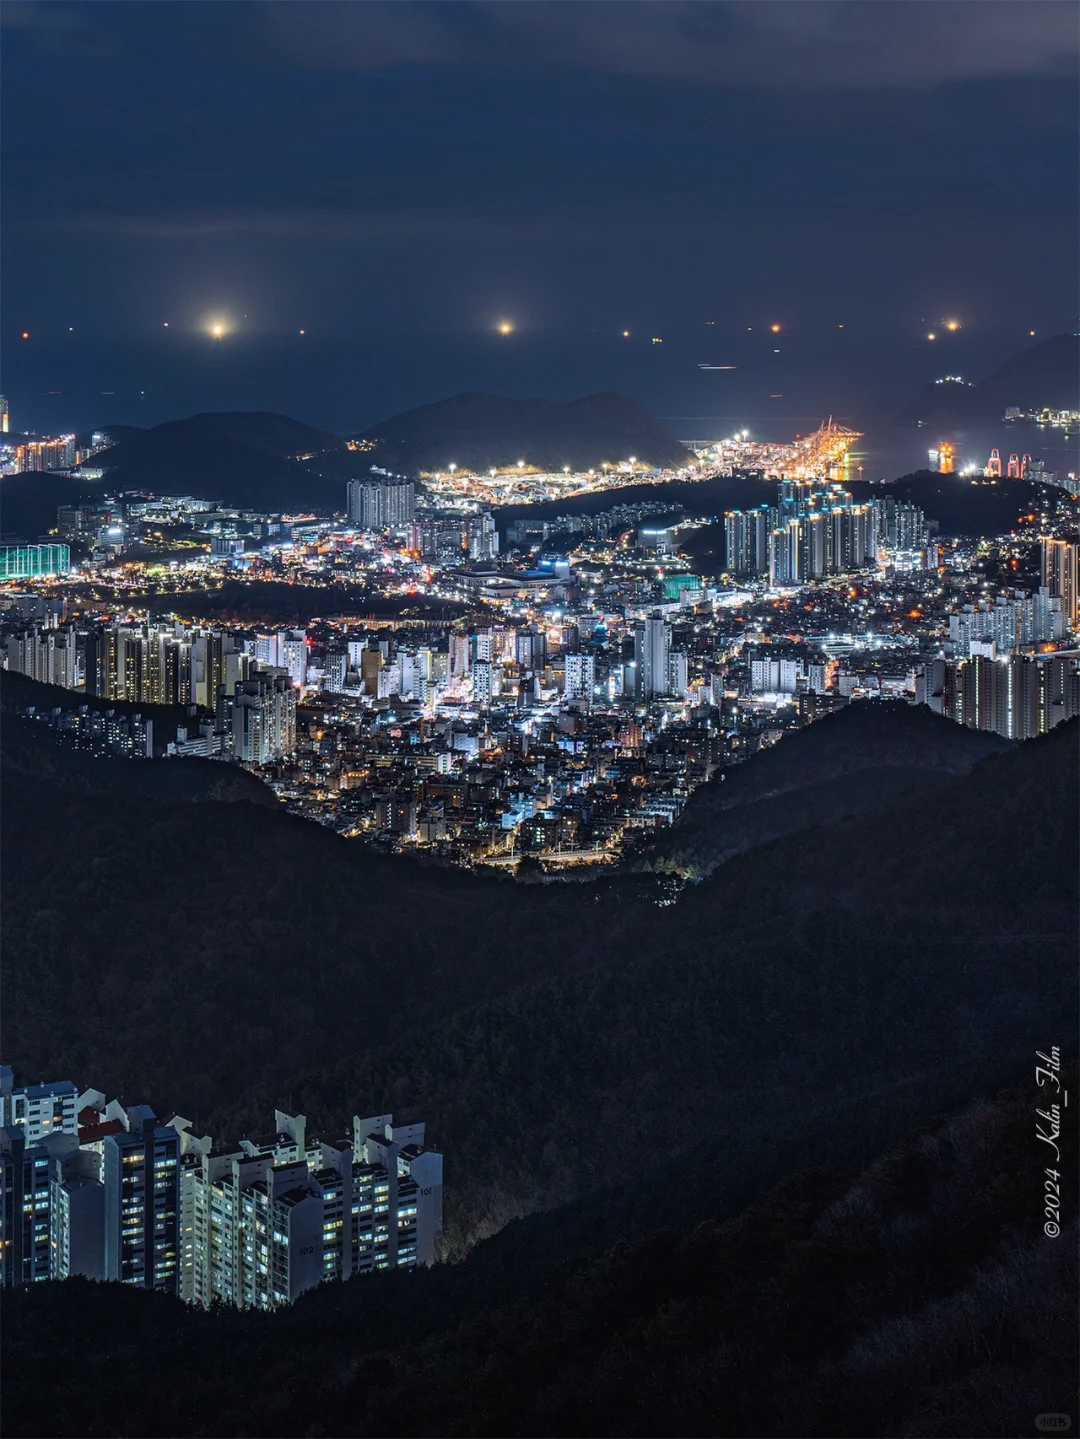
(475, 431)
(1046, 375)
(271, 462)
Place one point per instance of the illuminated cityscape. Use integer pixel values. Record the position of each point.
(539, 719)
(585, 676)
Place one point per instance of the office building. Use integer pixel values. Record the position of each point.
(81, 522)
(5, 416)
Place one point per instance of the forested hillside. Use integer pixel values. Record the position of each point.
(912, 1292)
(239, 958)
(862, 757)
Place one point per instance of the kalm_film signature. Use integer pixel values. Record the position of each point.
(1048, 1131)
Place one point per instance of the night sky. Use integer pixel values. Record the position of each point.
(395, 180)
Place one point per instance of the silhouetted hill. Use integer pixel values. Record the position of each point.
(18, 691)
(961, 506)
(600, 1065)
(476, 431)
(200, 912)
(28, 502)
(845, 959)
(1044, 374)
(857, 759)
(525, 1021)
(256, 459)
(909, 1293)
(32, 758)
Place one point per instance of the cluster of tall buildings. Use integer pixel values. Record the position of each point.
(1011, 622)
(108, 1191)
(42, 452)
(816, 529)
(102, 734)
(1018, 696)
(380, 504)
(33, 452)
(51, 656)
(250, 685)
(450, 541)
(789, 673)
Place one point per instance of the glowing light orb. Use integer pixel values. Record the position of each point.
(26, 334)
(775, 329)
(505, 327)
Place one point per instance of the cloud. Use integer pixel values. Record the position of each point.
(360, 226)
(802, 44)
(57, 29)
(791, 43)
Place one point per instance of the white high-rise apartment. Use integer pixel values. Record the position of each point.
(282, 1213)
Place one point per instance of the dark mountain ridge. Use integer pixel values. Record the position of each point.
(935, 926)
(1046, 374)
(863, 756)
(909, 1292)
(476, 431)
(593, 1065)
(258, 459)
(268, 461)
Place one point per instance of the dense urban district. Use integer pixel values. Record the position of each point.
(683, 725)
(450, 664)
